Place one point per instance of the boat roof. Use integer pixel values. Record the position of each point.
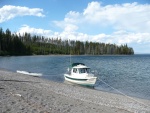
(75, 64)
(79, 65)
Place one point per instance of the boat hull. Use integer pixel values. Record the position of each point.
(89, 81)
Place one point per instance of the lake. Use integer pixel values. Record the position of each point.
(128, 74)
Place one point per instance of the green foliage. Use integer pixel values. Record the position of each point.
(13, 44)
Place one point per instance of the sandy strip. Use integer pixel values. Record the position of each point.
(26, 94)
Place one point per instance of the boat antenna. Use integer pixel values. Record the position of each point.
(70, 53)
(70, 59)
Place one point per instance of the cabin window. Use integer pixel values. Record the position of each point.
(75, 70)
(82, 70)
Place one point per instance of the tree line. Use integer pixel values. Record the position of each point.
(16, 44)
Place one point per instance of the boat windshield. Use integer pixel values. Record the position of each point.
(84, 70)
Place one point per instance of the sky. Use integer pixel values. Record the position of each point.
(104, 21)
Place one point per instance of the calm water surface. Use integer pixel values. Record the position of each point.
(128, 74)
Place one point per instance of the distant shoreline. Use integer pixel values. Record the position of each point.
(73, 55)
(81, 55)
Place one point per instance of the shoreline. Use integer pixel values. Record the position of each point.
(66, 82)
(23, 93)
(75, 55)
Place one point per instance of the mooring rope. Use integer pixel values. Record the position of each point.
(123, 93)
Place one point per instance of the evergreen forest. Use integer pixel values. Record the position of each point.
(27, 44)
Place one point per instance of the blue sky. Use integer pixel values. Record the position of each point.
(108, 21)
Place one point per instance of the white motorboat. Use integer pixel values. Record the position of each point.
(29, 73)
(80, 74)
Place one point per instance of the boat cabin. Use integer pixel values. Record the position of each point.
(80, 68)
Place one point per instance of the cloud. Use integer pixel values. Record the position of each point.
(123, 37)
(34, 31)
(69, 24)
(118, 23)
(118, 37)
(128, 16)
(8, 12)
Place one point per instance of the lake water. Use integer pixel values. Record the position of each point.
(128, 74)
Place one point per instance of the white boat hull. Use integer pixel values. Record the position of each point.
(88, 81)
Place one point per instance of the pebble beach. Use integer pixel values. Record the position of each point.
(27, 94)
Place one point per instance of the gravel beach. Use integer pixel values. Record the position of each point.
(26, 94)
